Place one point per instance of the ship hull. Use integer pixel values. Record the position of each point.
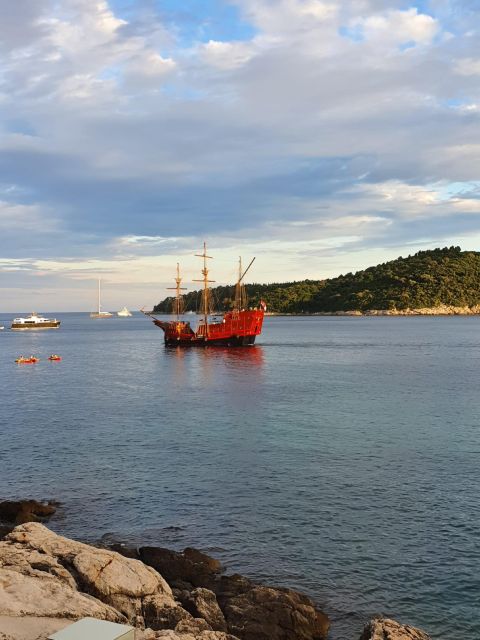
(38, 327)
(232, 341)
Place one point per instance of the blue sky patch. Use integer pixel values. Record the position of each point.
(352, 33)
(193, 20)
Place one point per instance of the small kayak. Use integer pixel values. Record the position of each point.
(54, 357)
(30, 360)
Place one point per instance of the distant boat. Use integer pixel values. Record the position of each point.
(99, 313)
(124, 313)
(34, 321)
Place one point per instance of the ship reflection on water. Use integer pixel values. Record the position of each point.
(208, 366)
(239, 356)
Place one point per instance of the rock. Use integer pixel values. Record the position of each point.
(202, 635)
(202, 603)
(43, 574)
(160, 614)
(386, 629)
(266, 613)
(21, 511)
(47, 597)
(230, 586)
(124, 550)
(250, 612)
(30, 628)
(5, 529)
(191, 568)
(193, 625)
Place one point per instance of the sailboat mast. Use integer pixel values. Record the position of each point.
(99, 295)
(205, 280)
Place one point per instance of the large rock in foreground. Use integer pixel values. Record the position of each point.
(45, 575)
(386, 629)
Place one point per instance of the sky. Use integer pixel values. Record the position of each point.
(321, 137)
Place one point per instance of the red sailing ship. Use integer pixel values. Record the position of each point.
(238, 327)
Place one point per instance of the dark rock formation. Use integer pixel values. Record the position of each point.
(123, 549)
(266, 613)
(20, 511)
(386, 629)
(250, 611)
(186, 570)
(5, 529)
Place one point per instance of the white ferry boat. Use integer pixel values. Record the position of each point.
(34, 321)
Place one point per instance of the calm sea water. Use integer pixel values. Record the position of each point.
(339, 456)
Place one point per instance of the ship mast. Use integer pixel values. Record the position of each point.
(206, 292)
(240, 291)
(178, 302)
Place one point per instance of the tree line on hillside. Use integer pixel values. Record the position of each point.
(447, 276)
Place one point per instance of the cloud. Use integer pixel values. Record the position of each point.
(26, 218)
(299, 125)
(397, 27)
(468, 67)
(226, 55)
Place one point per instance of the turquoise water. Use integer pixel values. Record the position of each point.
(339, 456)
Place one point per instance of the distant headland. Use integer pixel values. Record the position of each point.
(434, 282)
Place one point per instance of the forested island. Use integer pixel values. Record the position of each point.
(438, 279)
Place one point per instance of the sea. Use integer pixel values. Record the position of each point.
(339, 456)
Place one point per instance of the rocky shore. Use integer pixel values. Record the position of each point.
(48, 581)
(441, 310)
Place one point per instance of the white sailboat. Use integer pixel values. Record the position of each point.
(99, 313)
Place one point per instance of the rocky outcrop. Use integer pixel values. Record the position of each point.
(47, 581)
(234, 603)
(14, 512)
(386, 629)
(188, 569)
(202, 603)
(254, 612)
(441, 310)
(43, 574)
(185, 635)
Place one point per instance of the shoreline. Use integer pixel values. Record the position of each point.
(50, 581)
(443, 310)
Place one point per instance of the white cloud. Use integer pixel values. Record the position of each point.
(286, 16)
(468, 67)
(24, 217)
(398, 27)
(227, 55)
